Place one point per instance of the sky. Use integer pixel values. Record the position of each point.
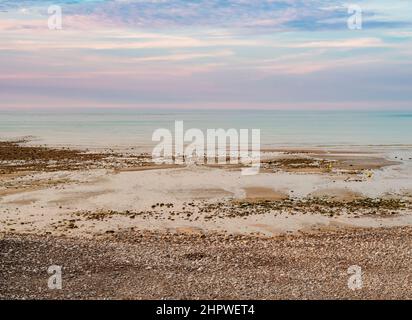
(232, 54)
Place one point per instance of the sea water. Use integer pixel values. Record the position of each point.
(279, 128)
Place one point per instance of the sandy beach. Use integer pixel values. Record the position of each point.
(205, 150)
(72, 201)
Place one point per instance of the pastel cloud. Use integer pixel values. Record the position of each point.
(171, 52)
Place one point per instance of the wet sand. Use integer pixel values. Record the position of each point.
(54, 200)
(117, 192)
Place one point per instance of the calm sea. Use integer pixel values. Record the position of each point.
(120, 128)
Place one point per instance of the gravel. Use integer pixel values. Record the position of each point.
(148, 265)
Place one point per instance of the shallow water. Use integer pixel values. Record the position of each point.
(134, 127)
